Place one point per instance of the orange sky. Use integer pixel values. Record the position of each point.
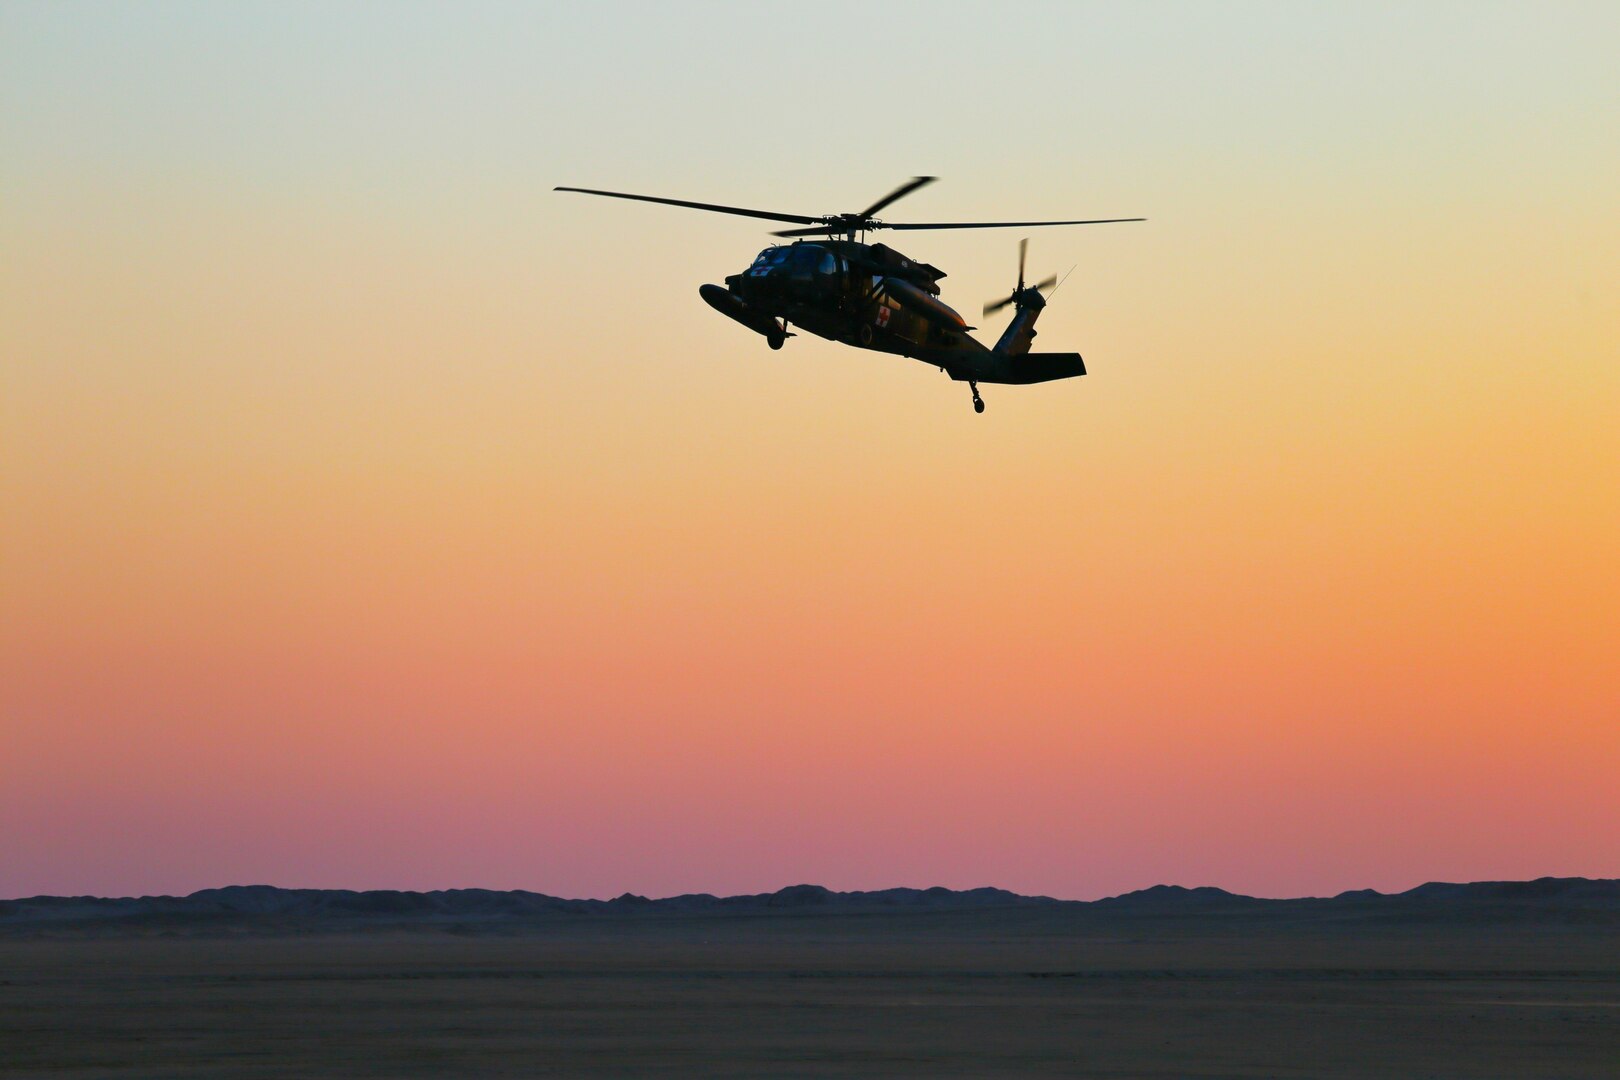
(378, 518)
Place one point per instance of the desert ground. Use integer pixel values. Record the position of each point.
(1056, 992)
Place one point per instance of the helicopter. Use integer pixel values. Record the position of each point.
(871, 296)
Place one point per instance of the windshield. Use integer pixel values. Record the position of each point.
(808, 260)
(771, 256)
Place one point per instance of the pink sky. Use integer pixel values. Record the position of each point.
(376, 518)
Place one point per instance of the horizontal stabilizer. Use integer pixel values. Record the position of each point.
(1043, 367)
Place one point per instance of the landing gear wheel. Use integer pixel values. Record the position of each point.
(776, 340)
(978, 402)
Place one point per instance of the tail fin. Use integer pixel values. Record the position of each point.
(1011, 361)
(1016, 339)
(1027, 302)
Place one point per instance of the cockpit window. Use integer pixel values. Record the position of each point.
(810, 260)
(768, 260)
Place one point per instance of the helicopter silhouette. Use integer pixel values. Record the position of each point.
(873, 297)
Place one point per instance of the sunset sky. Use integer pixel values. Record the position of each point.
(376, 517)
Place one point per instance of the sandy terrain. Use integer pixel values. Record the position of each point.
(978, 993)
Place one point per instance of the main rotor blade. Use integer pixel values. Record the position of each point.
(898, 193)
(995, 224)
(741, 211)
(819, 230)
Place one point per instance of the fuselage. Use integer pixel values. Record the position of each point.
(866, 295)
(872, 297)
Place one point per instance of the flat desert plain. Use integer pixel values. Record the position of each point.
(1053, 991)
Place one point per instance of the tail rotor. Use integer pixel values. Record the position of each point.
(1022, 296)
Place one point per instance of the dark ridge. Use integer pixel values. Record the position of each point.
(250, 904)
(269, 909)
(1584, 892)
(1178, 896)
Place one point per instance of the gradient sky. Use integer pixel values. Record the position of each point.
(376, 517)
